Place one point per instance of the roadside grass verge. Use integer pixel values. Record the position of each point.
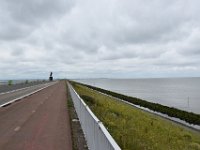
(78, 139)
(70, 107)
(135, 129)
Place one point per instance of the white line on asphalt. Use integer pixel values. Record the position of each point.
(20, 89)
(16, 99)
(17, 129)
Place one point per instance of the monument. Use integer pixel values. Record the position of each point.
(51, 77)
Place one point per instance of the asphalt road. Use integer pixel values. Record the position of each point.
(13, 95)
(6, 88)
(37, 122)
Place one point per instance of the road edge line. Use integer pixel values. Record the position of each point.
(26, 95)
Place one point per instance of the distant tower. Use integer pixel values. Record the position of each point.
(51, 77)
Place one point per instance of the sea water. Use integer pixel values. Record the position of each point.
(181, 93)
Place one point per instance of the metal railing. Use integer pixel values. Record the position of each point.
(97, 137)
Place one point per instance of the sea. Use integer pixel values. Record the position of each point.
(181, 93)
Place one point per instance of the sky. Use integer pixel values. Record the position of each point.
(99, 38)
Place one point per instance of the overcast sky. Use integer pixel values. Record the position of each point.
(99, 38)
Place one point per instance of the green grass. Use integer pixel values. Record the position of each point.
(134, 129)
(189, 117)
(10, 82)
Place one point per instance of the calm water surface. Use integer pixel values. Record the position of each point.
(182, 93)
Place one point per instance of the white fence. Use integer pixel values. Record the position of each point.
(97, 137)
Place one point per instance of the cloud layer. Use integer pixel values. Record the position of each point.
(91, 38)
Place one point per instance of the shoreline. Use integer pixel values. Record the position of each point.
(137, 125)
(175, 120)
(180, 93)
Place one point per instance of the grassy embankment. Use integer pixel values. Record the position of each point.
(135, 129)
(189, 117)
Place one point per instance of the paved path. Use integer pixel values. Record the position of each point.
(38, 122)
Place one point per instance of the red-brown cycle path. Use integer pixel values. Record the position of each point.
(37, 122)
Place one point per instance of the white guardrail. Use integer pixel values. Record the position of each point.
(97, 137)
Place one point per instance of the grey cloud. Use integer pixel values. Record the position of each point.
(116, 56)
(30, 12)
(151, 23)
(191, 45)
(21, 17)
(99, 38)
(17, 52)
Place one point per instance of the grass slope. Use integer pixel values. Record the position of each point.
(135, 129)
(189, 117)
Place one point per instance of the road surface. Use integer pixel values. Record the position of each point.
(10, 96)
(6, 88)
(37, 122)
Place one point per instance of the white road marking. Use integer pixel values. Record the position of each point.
(33, 111)
(47, 85)
(17, 128)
